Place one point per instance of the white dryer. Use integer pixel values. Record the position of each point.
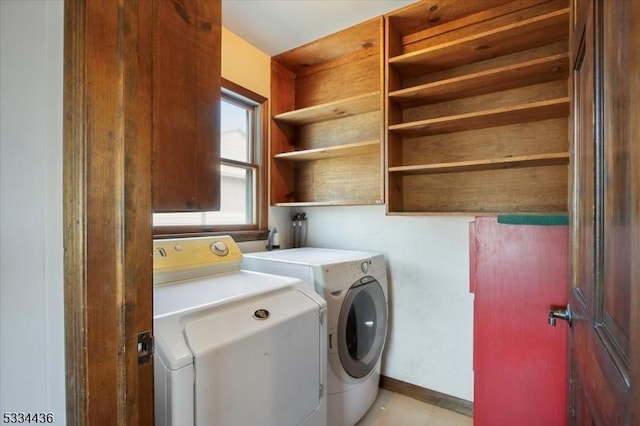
(234, 347)
(354, 284)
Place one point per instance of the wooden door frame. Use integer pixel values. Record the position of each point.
(107, 210)
(635, 240)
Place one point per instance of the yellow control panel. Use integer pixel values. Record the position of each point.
(185, 253)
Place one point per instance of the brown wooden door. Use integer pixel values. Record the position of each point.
(604, 296)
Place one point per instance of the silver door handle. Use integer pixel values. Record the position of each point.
(563, 314)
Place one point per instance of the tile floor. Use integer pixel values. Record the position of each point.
(393, 409)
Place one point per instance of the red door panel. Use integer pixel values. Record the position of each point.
(520, 362)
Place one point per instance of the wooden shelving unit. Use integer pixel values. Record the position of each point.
(332, 110)
(327, 120)
(489, 164)
(516, 36)
(338, 151)
(535, 111)
(477, 107)
(536, 71)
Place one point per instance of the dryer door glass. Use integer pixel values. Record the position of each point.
(362, 328)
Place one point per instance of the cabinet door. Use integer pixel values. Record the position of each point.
(520, 362)
(186, 98)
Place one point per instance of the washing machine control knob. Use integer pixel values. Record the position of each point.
(220, 248)
(366, 280)
(364, 266)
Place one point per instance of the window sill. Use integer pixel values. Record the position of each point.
(182, 232)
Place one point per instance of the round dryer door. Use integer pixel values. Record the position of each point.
(362, 327)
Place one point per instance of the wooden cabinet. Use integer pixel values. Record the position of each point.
(477, 107)
(327, 125)
(186, 39)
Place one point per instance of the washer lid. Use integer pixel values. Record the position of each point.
(258, 362)
(312, 255)
(177, 303)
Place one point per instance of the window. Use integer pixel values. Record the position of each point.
(242, 175)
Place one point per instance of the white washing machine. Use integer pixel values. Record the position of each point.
(354, 284)
(234, 347)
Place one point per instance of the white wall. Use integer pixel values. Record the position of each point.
(32, 371)
(430, 339)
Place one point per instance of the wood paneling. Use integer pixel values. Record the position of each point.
(486, 191)
(521, 139)
(107, 181)
(343, 180)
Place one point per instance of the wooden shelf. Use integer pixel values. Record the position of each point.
(477, 108)
(536, 71)
(361, 148)
(528, 33)
(361, 104)
(355, 202)
(534, 111)
(327, 126)
(489, 164)
(519, 189)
